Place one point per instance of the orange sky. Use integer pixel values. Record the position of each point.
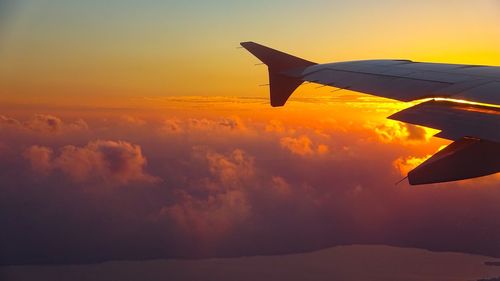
(70, 52)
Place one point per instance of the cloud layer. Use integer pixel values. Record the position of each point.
(112, 162)
(131, 186)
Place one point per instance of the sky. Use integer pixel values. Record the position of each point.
(126, 48)
(133, 130)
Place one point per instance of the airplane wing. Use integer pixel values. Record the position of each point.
(463, 102)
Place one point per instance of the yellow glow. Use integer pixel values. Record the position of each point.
(194, 54)
(460, 101)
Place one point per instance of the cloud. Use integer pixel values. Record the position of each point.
(233, 123)
(197, 184)
(115, 162)
(40, 158)
(323, 149)
(78, 124)
(208, 219)
(203, 125)
(280, 186)
(300, 146)
(303, 146)
(128, 119)
(230, 170)
(275, 126)
(406, 164)
(392, 131)
(223, 201)
(7, 121)
(43, 123)
(172, 126)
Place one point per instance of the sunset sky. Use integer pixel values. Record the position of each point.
(136, 129)
(66, 49)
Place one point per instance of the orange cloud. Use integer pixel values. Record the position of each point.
(233, 123)
(128, 119)
(303, 146)
(175, 125)
(7, 121)
(275, 126)
(405, 164)
(300, 146)
(171, 126)
(230, 170)
(43, 123)
(391, 131)
(323, 149)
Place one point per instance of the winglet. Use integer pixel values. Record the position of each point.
(281, 85)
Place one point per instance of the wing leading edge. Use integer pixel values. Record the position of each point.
(474, 125)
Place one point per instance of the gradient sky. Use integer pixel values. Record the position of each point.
(128, 130)
(81, 49)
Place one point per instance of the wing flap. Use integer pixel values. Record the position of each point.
(464, 159)
(455, 120)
